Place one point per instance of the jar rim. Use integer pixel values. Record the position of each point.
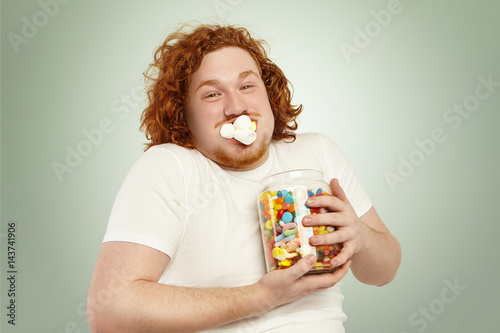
(292, 174)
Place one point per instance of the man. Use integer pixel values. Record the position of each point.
(182, 252)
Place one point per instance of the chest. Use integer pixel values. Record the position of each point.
(222, 233)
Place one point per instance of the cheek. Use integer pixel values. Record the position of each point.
(201, 127)
(194, 120)
(268, 121)
(270, 127)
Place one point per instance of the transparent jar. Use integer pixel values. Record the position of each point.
(282, 206)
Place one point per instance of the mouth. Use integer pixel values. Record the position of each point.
(241, 129)
(232, 121)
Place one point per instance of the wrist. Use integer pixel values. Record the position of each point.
(260, 298)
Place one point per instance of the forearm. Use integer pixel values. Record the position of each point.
(127, 299)
(145, 306)
(378, 261)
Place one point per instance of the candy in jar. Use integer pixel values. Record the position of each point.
(282, 206)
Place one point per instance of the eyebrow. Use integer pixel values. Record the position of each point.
(215, 82)
(246, 73)
(206, 83)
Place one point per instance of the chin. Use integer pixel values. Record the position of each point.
(241, 156)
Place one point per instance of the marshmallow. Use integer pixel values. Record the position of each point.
(242, 122)
(245, 135)
(243, 130)
(227, 131)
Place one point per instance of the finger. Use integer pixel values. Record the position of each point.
(303, 266)
(342, 270)
(333, 219)
(322, 281)
(330, 202)
(336, 237)
(337, 190)
(344, 255)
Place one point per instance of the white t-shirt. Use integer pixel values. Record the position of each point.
(206, 220)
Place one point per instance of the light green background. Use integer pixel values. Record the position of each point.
(78, 69)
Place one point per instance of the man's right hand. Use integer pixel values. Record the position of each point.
(296, 284)
(124, 295)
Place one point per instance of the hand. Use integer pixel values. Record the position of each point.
(283, 286)
(349, 231)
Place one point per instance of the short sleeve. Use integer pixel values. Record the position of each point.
(148, 208)
(338, 166)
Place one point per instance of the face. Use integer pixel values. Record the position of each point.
(227, 85)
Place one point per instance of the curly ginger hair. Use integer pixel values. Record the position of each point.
(169, 76)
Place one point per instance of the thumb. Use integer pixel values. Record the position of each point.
(303, 266)
(337, 190)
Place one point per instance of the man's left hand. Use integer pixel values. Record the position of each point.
(349, 229)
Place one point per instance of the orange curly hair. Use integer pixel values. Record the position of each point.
(169, 76)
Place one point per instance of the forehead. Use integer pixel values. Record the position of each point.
(223, 62)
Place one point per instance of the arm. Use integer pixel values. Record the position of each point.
(374, 252)
(124, 294)
(378, 256)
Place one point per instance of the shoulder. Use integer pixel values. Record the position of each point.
(169, 156)
(309, 141)
(318, 148)
(317, 138)
(165, 163)
(169, 150)
(309, 137)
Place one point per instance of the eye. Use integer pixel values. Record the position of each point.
(246, 86)
(211, 95)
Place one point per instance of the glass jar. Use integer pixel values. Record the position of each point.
(282, 206)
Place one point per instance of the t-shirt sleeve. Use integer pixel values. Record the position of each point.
(148, 208)
(338, 166)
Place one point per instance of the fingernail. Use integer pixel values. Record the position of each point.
(306, 220)
(313, 240)
(310, 201)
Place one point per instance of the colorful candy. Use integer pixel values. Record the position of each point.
(285, 239)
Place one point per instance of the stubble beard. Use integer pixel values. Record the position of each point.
(245, 157)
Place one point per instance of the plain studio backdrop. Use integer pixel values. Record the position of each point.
(409, 89)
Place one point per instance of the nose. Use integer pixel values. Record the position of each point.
(234, 104)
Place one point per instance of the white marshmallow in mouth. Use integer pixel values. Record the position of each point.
(243, 130)
(242, 122)
(245, 135)
(227, 131)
